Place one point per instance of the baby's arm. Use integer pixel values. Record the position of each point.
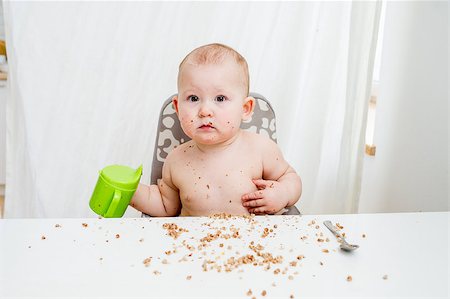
(158, 200)
(280, 186)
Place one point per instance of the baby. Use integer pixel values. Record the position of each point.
(223, 169)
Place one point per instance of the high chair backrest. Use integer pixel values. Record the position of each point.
(170, 134)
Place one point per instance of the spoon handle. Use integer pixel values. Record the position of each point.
(331, 227)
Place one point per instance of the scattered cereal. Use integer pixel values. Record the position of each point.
(349, 278)
(147, 261)
(173, 230)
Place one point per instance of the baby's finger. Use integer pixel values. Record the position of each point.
(260, 183)
(257, 211)
(252, 195)
(254, 203)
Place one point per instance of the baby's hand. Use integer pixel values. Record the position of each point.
(267, 200)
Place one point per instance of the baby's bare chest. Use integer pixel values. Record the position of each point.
(210, 184)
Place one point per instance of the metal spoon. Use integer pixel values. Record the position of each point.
(344, 245)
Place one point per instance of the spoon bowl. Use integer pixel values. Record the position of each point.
(344, 245)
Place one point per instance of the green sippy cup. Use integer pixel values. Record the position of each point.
(115, 187)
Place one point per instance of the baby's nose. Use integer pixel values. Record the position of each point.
(205, 110)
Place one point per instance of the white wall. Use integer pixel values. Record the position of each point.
(2, 115)
(2, 135)
(410, 169)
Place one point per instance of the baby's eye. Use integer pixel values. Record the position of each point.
(192, 98)
(220, 98)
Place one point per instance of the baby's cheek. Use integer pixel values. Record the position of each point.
(232, 124)
(187, 124)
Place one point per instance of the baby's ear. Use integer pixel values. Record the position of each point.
(175, 103)
(249, 105)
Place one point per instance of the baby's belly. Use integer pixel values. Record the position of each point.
(234, 209)
(199, 200)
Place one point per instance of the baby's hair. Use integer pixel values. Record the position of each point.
(214, 54)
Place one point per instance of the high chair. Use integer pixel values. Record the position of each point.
(170, 134)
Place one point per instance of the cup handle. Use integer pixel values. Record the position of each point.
(114, 203)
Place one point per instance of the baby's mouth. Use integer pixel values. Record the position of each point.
(207, 126)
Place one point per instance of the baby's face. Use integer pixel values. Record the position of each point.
(212, 101)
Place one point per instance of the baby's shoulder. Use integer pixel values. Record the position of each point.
(256, 139)
(179, 152)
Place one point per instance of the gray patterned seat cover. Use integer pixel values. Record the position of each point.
(170, 134)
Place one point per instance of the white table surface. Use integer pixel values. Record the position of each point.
(400, 255)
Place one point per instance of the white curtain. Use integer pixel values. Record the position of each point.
(87, 80)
